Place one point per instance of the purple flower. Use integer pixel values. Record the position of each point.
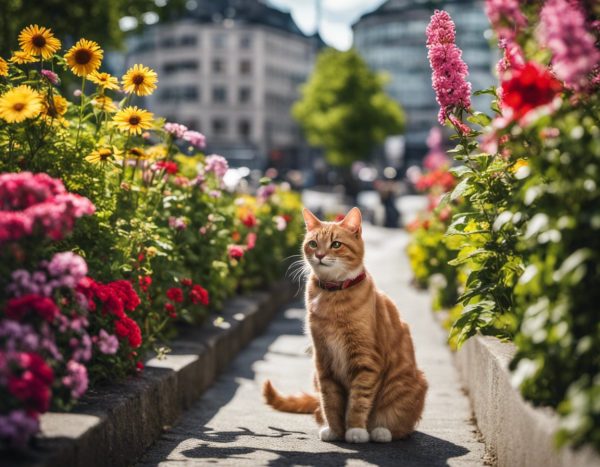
(216, 164)
(50, 76)
(17, 427)
(83, 348)
(176, 129)
(563, 30)
(107, 343)
(66, 269)
(214, 194)
(449, 70)
(76, 379)
(177, 223)
(266, 191)
(195, 139)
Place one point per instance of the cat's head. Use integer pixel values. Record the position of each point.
(334, 250)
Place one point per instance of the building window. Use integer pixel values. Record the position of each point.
(179, 94)
(244, 128)
(168, 43)
(244, 95)
(218, 66)
(188, 40)
(219, 40)
(219, 95)
(245, 41)
(219, 126)
(170, 68)
(245, 67)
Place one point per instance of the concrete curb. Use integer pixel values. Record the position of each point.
(113, 426)
(516, 433)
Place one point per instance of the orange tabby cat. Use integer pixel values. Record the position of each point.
(367, 379)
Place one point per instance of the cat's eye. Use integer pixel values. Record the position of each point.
(312, 244)
(336, 245)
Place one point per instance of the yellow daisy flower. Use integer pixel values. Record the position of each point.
(136, 153)
(57, 108)
(3, 67)
(84, 57)
(20, 103)
(21, 58)
(102, 155)
(36, 40)
(104, 80)
(140, 80)
(105, 104)
(133, 120)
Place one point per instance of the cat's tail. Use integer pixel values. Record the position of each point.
(301, 403)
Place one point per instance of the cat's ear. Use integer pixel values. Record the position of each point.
(352, 221)
(311, 221)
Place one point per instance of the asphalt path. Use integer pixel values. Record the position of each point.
(231, 426)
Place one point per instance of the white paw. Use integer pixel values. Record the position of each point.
(381, 435)
(326, 434)
(357, 435)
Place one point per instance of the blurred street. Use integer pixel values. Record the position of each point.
(231, 425)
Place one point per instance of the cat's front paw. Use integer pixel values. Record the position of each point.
(357, 435)
(327, 434)
(381, 435)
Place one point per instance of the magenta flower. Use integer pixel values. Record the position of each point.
(176, 129)
(265, 192)
(18, 427)
(452, 91)
(195, 139)
(50, 76)
(177, 223)
(564, 31)
(107, 343)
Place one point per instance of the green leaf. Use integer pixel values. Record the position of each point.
(460, 189)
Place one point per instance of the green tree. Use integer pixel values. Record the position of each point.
(72, 19)
(344, 108)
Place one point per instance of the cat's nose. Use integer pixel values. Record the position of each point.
(320, 255)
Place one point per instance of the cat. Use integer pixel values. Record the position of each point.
(367, 380)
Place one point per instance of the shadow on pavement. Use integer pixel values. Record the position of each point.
(419, 449)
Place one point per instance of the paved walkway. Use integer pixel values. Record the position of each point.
(231, 425)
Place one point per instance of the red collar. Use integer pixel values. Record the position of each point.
(333, 285)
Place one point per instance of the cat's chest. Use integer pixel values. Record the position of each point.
(336, 349)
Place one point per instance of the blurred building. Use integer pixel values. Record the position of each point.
(392, 39)
(231, 69)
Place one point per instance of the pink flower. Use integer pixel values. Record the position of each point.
(195, 139)
(440, 29)
(280, 223)
(266, 191)
(177, 223)
(436, 157)
(216, 164)
(176, 129)
(449, 70)
(50, 76)
(251, 240)
(76, 379)
(235, 251)
(460, 126)
(505, 12)
(563, 30)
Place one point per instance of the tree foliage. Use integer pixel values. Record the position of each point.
(344, 108)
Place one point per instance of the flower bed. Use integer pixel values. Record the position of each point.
(525, 227)
(113, 226)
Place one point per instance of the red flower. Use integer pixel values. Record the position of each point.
(529, 87)
(249, 220)
(169, 167)
(32, 386)
(128, 328)
(144, 283)
(235, 251)
(139, 366)
(186, 282)
(124, 290)
(199, 294)
(170, 309)
(175, 294)
(44, 307)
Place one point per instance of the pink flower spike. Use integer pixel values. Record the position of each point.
(50, 76)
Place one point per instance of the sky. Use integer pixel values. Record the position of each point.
(337, 17)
